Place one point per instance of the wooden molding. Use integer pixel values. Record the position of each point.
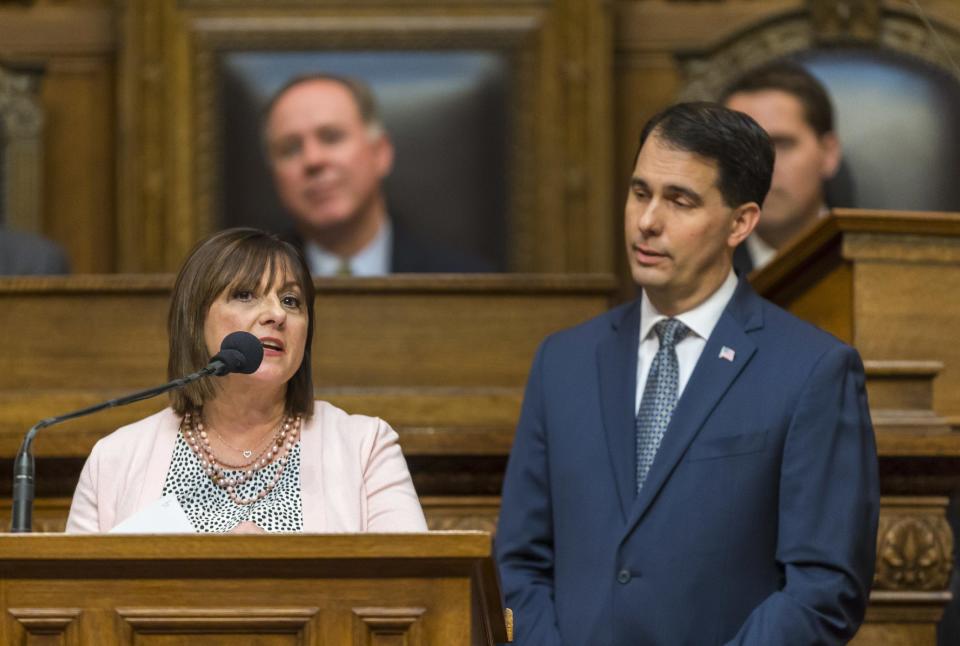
(166, 620)
(383, 626)
(46, 625)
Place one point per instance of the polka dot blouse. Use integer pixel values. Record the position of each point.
(210, 508)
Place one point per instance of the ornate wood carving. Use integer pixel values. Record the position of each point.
(143, 177)
(707, 72)
(844, 20)
(21, 126)
(382, 626)
(914, 545)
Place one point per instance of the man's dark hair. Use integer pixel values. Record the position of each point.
(792, 78)
(741, 148)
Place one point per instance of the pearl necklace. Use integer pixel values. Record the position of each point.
(278, 450)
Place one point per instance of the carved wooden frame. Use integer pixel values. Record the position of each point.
(300, 622)
(559, 152)
(707, 72)
(512, 35)
(21, 146)
(51, 623)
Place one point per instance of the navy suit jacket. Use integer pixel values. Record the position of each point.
(756, 524)
(742, 259)
(24, 253)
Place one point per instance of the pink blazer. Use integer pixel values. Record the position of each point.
(353, 477)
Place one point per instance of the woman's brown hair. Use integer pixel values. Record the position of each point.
(236, 259)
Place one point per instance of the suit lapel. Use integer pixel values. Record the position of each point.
(617, 369)
(711, 378)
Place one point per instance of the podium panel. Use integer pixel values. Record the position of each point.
(359, 590)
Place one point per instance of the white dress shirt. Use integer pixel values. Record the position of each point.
(700, 320)
(760, 252)
(372, 260)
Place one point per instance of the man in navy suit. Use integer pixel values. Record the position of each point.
(697, 466)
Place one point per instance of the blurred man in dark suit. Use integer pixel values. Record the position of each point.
(795, 110)
(25, 253)
(329, 154)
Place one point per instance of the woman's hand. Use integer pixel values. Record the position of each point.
(247, 527)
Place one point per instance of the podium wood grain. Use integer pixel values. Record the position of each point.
(413, 589)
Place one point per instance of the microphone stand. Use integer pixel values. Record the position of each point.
(24, 466)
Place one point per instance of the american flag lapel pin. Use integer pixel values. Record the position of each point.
(727, 353)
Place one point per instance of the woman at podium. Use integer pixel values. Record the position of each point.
(246, 452)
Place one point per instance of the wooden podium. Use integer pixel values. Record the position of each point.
(889, 284)
(337, 590)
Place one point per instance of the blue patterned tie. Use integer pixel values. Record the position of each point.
(659, 396)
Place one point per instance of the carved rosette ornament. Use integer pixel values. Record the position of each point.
(914, 552)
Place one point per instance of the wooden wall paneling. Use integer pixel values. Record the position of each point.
(37, 30)
(217, 625)
(47, 626)
(590, 146)
(21, 143)
(914, 266)
(142, 113)
(79, 155)
(402, 348)
(895, 270)
(70, 47)
(561, 159)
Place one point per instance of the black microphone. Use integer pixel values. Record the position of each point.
(239, 352)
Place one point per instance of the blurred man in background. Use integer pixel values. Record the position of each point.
(330, 154)
(795, 110)
(25, 253)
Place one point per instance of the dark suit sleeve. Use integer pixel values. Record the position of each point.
(829, 508)
(524, 542)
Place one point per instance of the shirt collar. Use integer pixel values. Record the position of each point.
(700, 320)
(760, 251)
(372, 260)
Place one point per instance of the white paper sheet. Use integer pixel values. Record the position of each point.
(165, 516)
